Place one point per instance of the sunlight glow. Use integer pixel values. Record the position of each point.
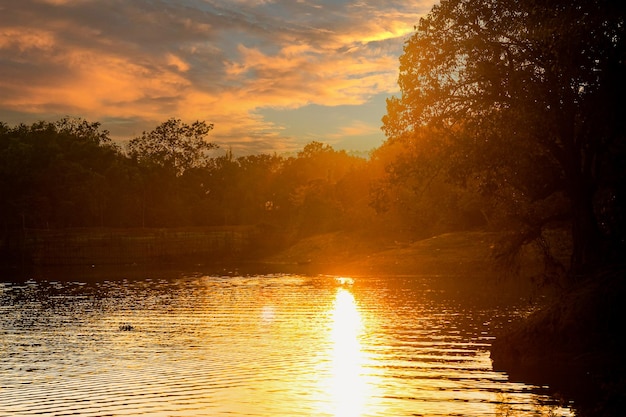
(267, 314)
(347, 386)
(344, 280)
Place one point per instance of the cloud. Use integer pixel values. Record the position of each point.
(134, 63)
(356, 128)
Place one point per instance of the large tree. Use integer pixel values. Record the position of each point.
(174, 145)
(530, 97)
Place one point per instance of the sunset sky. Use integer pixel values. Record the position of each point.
(272, 75)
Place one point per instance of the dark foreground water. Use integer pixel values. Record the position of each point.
(277, 345)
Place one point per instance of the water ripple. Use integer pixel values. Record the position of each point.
(261, 346)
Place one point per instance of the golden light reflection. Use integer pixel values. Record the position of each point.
(347, 386)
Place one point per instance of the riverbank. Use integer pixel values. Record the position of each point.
(247, 248)
(120, 247)
(459, 253)
(574, 345)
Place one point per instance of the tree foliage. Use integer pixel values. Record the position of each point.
(530, 96)
(174, 145)
(70, 174)
(48, 172)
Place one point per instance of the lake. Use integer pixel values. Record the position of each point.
(269, 345)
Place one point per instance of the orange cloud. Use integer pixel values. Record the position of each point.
(219, 62)
(25, 39)
(357, 128)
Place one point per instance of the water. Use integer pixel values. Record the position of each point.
(277, 345)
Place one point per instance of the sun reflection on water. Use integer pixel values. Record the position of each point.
(347, 387)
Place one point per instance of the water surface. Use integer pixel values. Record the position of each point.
(276, 345)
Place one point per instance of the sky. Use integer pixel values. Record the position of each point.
(271, 75)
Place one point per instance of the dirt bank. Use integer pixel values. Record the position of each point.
(448, 254)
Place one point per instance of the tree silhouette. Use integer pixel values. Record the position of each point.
(173, 145)
(54, 174)
(530, 96)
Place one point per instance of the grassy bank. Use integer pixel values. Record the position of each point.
(76, 247)
(462, 253)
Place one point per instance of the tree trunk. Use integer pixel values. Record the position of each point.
(586, 236)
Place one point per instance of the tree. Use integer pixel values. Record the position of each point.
(315, 177)
(168, 158)
(173, 145)
(530, 95)
(55, 174)
(83, 131)
(412, 191)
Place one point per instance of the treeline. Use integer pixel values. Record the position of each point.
(69, 174)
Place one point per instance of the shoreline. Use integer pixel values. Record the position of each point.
(570, 345)
(573, 345)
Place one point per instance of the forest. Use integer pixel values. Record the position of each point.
(70, 174)
(510, 118)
